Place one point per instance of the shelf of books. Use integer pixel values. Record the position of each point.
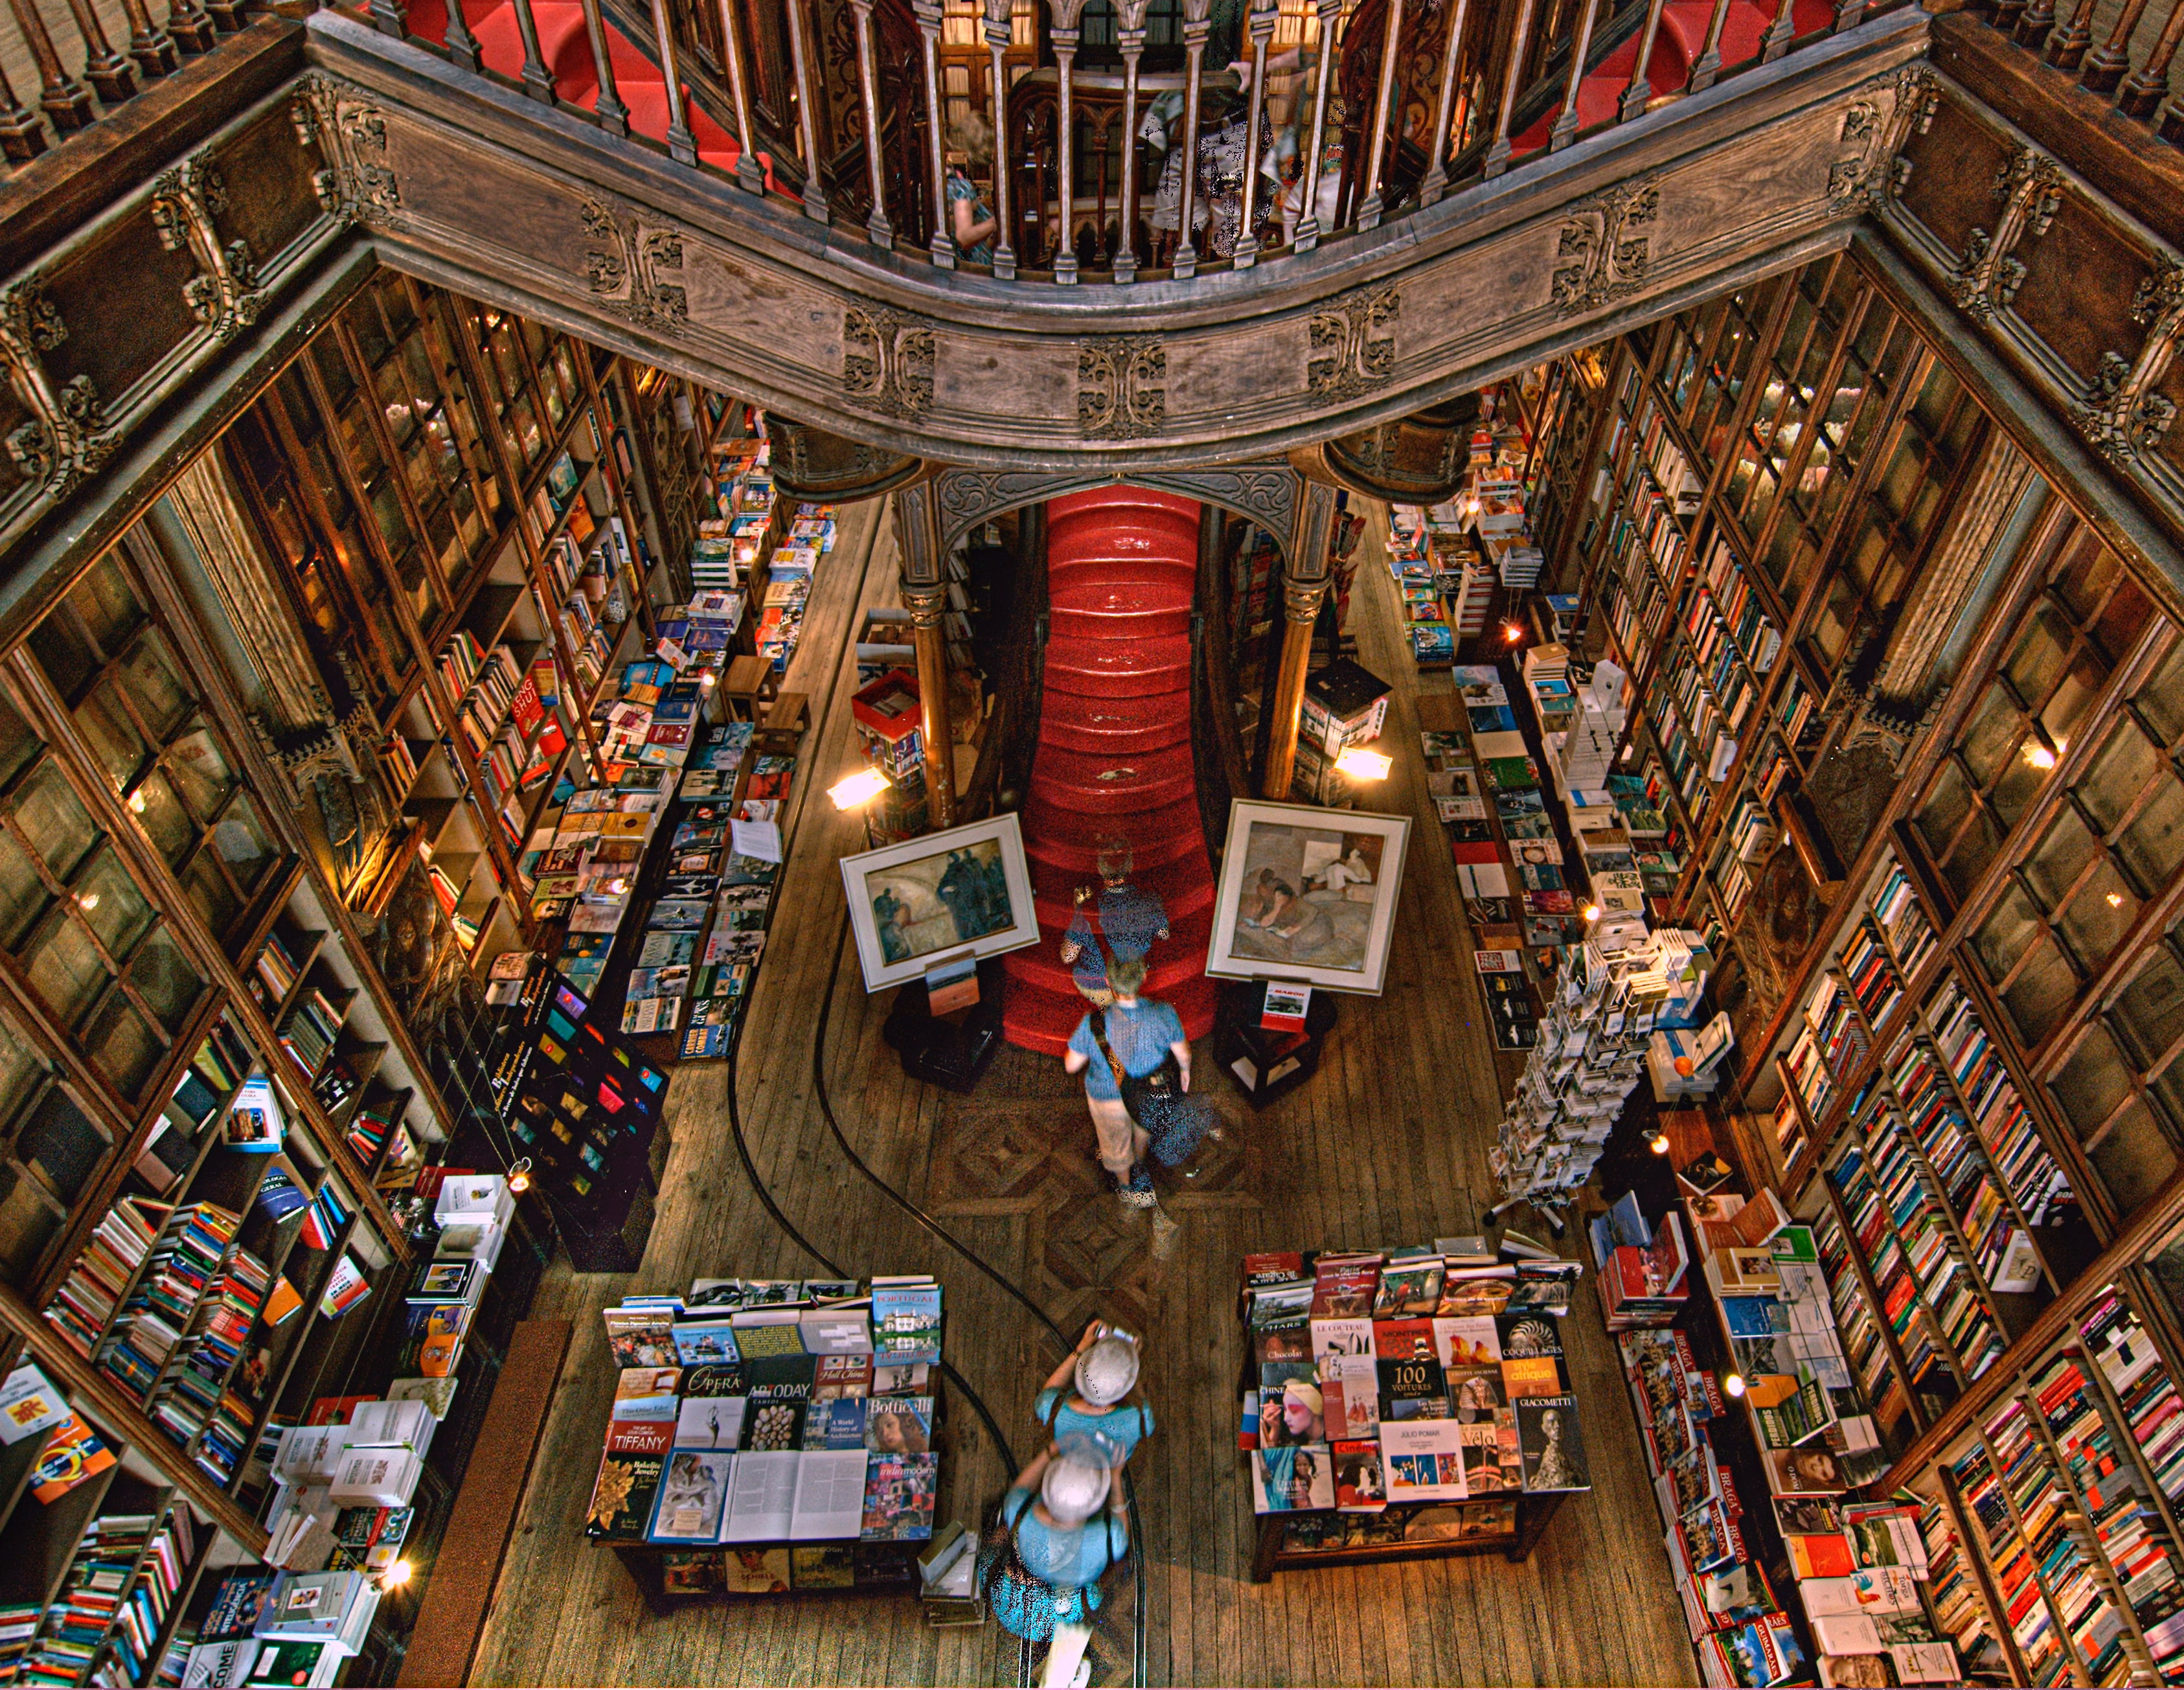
(770, 1435)
(1406, 1403)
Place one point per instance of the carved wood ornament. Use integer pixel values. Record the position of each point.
(1121, 386)
(68, 435)
(2029, 190)
(1604, 253)
(2121, 414)
(1353, 343)
(186, 200)
(887, 361)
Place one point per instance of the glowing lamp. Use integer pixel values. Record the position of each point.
(397, 1575)
(860, 787)
(1593, 913)
(1733, 1383)
(519, 1176)
(1659, 1142)
(1360, 764)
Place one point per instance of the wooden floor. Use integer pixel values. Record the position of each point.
(1386, 1145)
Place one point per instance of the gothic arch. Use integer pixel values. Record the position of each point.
(1268, 493)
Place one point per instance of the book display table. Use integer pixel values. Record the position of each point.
(1405, 1404)
(770, 1435)
(1264, 1061)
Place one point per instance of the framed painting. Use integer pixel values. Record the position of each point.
(963, 893)
(1308, 894)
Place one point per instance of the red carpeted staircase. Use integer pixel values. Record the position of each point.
(567, 53)
(1678, 46)
(1114, 750)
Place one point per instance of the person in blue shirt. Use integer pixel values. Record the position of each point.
(1140, 1034)
(1130, 920)
(1069, 1527)
(1103, 1369)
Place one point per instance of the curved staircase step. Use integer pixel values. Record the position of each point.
(1101, 726)
(1078, 780)
(1120, 668)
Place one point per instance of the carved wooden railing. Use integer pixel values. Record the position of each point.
(2130, 63)
(83, 78)
(838, 107)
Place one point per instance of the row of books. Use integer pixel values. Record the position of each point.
(103, 1271)
(72, 1633)
(312, 1026)
(193, 1404)
(183, 1264)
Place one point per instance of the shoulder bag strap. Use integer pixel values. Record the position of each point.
(1098, 1019)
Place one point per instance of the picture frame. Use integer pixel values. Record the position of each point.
(1308, 894)
(966, 892)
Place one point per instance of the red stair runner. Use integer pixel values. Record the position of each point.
(1681, 42)
(1114, 750)
(566, 50)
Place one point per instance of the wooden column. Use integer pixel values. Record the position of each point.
(927, 604)
(925, 596)
(1304, 587)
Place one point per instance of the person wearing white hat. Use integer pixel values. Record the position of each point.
(1103, 1369)
(1066, 1524)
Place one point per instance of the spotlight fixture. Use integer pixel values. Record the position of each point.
(397, 1575)
(2041, 752)
(1591, 912)
(519, 1176)
(1360, 764)
(1659, 1142)
(860, 787)
(1733, 1383)
(2116, 901)
(1512, 633)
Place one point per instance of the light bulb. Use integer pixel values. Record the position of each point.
(2038, 755)
(1660, 1144)
(519, 1176)
(1733, 1383)
(136, 802)
(397, 1575)
(860, 787)
(88, 900)
(1512, 632)
(1593, 913)
(2116, 901)
(1360, 764)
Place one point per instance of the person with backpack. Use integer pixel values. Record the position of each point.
(1136, 1045)
(1103, 1369)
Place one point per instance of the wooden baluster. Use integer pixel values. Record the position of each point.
(64, 99)
(1329, 13)
(681, 145)
(800, 54)
(2108, 67)
(1707, 70)
(1565, 129)
(188, 27)
(22, 136)
(2169, 125)
(389, 17)
(1497, 155)
(150, 46)
(1641, 92)
(2034, 25)
(928, 14)
(1264, 12)
(876, 225)
(2006, 18)
(1436, 177)
(463, 53)
(1130, 37)
(1369, 208)
(2140, 93)
(1780, 33)
(113, 77)
(1065, 34)
(750, 173)
(1197, 25)
(537, 80)
(606, 103)
(999, 32)
(2068, 45)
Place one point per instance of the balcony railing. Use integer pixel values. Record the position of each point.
(2126, 51)
(1303, 122)
(80, 62)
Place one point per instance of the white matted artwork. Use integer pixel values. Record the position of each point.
(966, 892)
(1308, 894)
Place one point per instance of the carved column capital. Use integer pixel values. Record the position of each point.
(927, 601)
(1302, 598)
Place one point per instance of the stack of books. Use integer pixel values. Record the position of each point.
(88, 1298)
(309, 1032)
(184, 1265)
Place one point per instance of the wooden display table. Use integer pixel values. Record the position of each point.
(1531, 1514)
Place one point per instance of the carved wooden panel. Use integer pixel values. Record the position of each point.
(2080, 299)
(472, 192)
(123, 314)
(1952, 166)
(2076, 286)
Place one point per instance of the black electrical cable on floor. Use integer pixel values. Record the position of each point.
(932, 1226)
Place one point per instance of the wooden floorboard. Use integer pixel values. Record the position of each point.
(1385, 1146)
